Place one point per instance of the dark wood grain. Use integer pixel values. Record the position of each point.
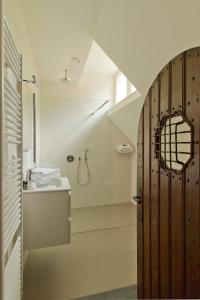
(169, 229)
(177, 204)
(146, 198)
(155, 188)
(164, 198)
(192, 178)
(140, 249)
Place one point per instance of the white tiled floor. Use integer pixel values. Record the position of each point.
(95, 261)
(107, 216)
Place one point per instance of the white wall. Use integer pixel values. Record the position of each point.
(141, 37)
(126, 117)
(14, 17)
(66, 128)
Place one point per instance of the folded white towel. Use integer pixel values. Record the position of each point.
(45, 175)
(39, 178)
(45, 171)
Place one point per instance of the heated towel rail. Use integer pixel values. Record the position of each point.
(11, 170)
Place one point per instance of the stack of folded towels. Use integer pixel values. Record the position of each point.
(45, 175)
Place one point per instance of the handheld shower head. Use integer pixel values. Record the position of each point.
(86, 153)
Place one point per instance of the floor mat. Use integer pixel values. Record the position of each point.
(126, 293)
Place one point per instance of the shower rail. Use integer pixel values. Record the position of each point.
(94, 112)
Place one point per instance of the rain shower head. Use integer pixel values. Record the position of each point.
(33, 81)
(65, 79)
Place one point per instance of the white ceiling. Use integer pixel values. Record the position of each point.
(99, 62)
(141, 36)
(60, 30)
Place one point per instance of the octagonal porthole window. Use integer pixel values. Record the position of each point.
(174, 142)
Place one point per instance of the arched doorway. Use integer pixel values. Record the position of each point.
(168, 182)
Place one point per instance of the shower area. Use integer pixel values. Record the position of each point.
(82, 142)
(79, 136)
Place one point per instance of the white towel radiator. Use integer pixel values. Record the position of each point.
(11, 170)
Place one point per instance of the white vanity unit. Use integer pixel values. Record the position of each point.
(47, 216)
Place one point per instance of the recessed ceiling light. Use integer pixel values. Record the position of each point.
(75, 60)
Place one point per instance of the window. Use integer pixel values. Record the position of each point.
(123, 88)
(173, 142)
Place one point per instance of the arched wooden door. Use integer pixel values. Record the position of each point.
(169, 183)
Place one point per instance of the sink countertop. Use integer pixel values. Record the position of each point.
(51, 188)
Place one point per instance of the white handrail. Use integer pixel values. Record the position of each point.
(14, 93)
(11, 41)
(12, 121)
(11, 182)
(13, 276)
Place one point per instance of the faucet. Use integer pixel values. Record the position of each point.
(27, 181)
(28, 177)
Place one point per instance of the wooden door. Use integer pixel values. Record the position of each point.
(169, 183)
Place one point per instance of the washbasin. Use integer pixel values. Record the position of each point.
(50, 183)
(55, 185)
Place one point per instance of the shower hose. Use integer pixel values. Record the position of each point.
(78, 173)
